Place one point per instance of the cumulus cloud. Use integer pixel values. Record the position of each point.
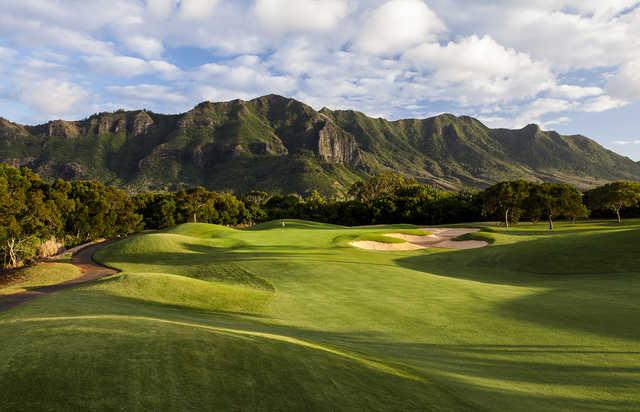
(305, 15)
(534, 112)
(602, 103)
(127, 66)
(196, 9)
(545, 61)
(147, 47)
(398, 25)
(52, 97)
(481, 70)
(626, 83)
(160, 9)
(575, 92)
(246, 75)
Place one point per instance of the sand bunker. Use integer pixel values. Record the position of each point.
(439, 238)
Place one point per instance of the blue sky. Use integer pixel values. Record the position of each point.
(569, 65)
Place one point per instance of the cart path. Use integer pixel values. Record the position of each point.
(83, 259)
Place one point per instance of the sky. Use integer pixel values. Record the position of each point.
(568, 65)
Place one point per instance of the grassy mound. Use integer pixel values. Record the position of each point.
(186, 292)
(44, 274)
(206, 317)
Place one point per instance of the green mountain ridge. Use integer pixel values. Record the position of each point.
(280, 144)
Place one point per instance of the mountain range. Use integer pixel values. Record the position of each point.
(280, 144)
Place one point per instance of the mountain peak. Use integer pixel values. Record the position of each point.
(532, 128)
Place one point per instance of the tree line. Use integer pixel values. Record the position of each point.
(38, 218)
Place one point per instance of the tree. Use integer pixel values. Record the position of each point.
(615, 196)
(506, 199)
(157, 209)
(552, 200)
(194, 203)
(384, 184)
(254, 202)
(101, 212)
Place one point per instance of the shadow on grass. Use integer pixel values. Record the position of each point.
(588, 282)
(482, 376)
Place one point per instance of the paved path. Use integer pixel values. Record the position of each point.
(82, 259)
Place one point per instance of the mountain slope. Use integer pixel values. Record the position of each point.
(276, 143)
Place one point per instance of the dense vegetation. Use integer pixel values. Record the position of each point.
(38, 218)
(281, 145)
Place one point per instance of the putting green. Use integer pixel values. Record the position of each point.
(206, 317)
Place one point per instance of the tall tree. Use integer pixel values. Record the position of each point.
(506, 199)
(552, 200)
(615, 196)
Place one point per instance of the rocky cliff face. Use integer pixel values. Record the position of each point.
(129, 123)
(61, 128)
(336, 146)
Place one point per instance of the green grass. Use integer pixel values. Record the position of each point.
(210, 318)
(378, 237)
(43, 274)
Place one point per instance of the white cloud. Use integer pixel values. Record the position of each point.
(558, 121)
(127, 66)
(6, 53)
(545, 60)
(398, 25)
(164, 69)
(626, 142)
(602, 103)
(479, 70)
(147, 47)
(118, 65)
(197, 9)
(142, 94)
(160, 9)
(567, 34)
(575, 92)
(626, 83)
(246, 74)
(34, 34)
(51, 97)
(304, 15)
(534, 112)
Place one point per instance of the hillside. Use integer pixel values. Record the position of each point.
(276, 143)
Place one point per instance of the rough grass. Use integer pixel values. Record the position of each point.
(43, 274)
(539, 320)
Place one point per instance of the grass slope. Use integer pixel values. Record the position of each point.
(205, 317)
(40, 275)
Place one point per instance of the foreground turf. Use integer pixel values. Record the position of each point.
(205, 317)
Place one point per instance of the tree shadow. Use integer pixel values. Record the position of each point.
(597, 293)
(482, 376)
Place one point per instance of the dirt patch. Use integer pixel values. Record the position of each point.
(439, 238)
(371, 245)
